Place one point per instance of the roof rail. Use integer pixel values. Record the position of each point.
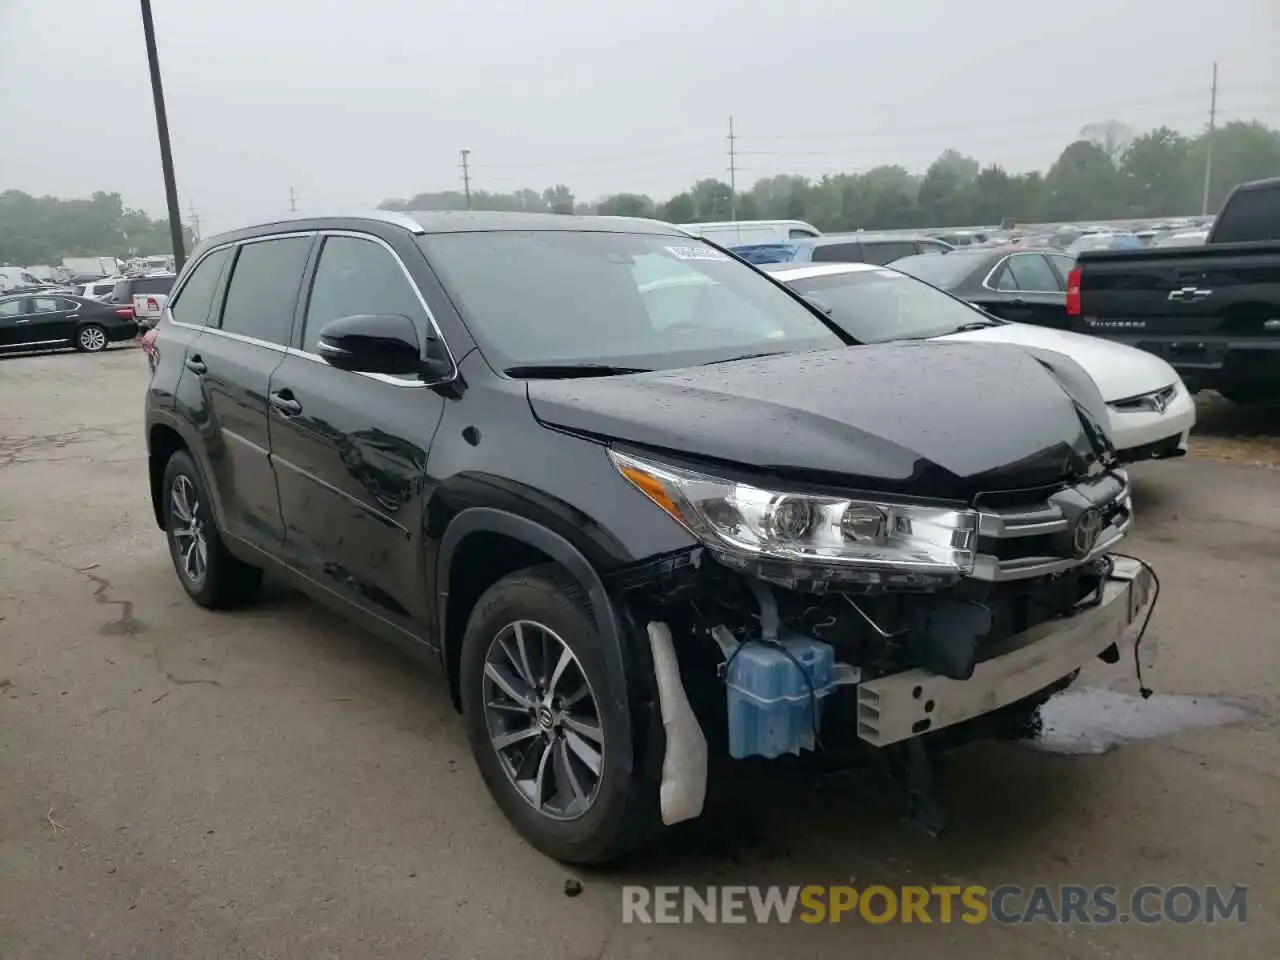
(394, 217)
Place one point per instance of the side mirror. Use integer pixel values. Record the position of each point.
(377, 343)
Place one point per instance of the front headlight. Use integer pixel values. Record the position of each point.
(870, 539)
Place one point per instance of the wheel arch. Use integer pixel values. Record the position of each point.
(166, 435)
(523, 542)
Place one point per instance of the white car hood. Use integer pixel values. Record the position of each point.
(1119, 371)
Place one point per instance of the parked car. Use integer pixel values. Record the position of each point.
(1022, 284)
(1186, 238)
(50, 321)
(1150, 412)
(1212, 310)
(96, 289)
(144, 295)
(633, 515)
(842, 248)
(732, 232)
(1105, 240)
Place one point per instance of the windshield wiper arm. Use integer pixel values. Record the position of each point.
(747, 356)
(565, 371)
(977, 325)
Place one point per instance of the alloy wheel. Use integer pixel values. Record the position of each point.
(93, 339)
(190, 544)
(543, 720)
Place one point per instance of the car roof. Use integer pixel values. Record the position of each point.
(786, 272)
(862, 237)
(469, 221)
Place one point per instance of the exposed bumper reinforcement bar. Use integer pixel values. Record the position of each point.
(904, 705)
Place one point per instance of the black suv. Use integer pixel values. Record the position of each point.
(635, 497)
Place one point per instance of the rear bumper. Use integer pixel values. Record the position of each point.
(1210, 362)
(908, 704)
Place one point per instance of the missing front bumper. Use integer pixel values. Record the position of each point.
(895, 708)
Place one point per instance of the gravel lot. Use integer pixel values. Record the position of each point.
(175, 783)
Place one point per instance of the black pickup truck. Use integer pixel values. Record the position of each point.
(1213, 311)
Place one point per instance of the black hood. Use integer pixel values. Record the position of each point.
(939, 420)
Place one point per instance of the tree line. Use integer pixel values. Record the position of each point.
(1109, 173)
(43, 230)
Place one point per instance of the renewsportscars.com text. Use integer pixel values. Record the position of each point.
(878, 904)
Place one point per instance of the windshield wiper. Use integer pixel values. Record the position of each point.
(747, 356)
(565, 371)
(977, 325)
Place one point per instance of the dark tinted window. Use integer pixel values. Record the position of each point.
(887, 251)
(1029, 273)
(191, 305)
(10, 308)
(934, 246)
(795, 233)
(48, 305)
(1251, 215)
(153, 284)
(946, 272)
(264, 288)
(358, 276)
(838, 253)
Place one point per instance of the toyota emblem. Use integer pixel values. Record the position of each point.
(1085, 535)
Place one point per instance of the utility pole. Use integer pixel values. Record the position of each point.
(162, 130)
(195, 219)
(733, 173)
(293, 200)
(1208, 147)
(466, 176)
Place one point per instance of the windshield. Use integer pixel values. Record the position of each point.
(946, 272)
(616, 299)
(874, 306)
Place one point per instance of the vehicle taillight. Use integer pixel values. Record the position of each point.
(1073, 292)
(124, 313)
(153, 304)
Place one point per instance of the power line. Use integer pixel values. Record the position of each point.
(466, 176)
(1208, 147)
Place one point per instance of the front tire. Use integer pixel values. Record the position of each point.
(547, 740)
(91, 338)
(211, 576)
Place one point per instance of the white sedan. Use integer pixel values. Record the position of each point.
(1150, 409)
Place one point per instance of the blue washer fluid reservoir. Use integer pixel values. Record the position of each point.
(772, 710)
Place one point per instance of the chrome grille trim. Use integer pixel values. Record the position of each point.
(1056, 515)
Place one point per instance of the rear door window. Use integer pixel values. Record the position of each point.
(838, 253)
(192, 303)
(263, 291)
(887, 251)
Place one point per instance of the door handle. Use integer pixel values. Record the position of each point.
(285, 404)
(197, 366)
(1017, 302)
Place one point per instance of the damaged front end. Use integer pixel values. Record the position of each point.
(806, 619)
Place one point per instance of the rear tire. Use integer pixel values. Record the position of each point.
(91, 338)
(561, 777)
(211, 576)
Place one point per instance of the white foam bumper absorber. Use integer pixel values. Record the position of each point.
(684, 764)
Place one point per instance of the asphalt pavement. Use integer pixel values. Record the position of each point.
(273, 783)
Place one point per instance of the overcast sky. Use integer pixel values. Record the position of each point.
(351, 103)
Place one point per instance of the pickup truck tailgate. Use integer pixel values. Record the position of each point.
(1191, 306)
